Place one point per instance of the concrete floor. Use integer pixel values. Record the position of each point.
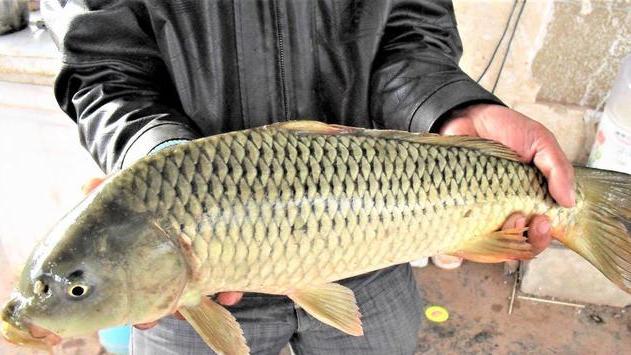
(477, 297)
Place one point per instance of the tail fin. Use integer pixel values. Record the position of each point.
(599, 233)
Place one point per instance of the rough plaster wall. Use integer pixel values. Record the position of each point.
(564, 56)
(566, 52)
(582, 51)
(481, 24)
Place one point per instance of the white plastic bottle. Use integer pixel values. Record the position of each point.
(612, 146)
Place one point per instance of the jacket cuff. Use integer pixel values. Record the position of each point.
(150, 138)
(166, 144)
(430, 114)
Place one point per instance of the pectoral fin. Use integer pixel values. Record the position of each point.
(217, 327)
(331, 304)
(503, 245)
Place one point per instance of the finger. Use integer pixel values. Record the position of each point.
(516, 220)
(49, 337)
(552, 162)
(91, 185)
(178, 315)
(458, 126)
(145, 326)
(229, 298)
(539, 233)
(532, 141)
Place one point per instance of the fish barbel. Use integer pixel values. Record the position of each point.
(289, 209)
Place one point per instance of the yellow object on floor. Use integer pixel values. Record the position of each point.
(436, 314)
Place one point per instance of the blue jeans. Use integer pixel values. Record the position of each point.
(388, 300)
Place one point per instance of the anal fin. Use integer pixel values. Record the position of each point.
(219, 329)
(495, 247)
(332, 304)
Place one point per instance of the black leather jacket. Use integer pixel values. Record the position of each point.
(137, 73)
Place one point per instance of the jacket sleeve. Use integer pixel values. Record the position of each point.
(416, 79)
(113, 83)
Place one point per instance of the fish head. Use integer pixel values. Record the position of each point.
(96, 269)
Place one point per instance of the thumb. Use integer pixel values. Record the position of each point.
(459, 126)
(229, 298)
(549, 158)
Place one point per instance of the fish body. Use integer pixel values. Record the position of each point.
(270, 209)
(291, 208)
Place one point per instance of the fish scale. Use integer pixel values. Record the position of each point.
(320, 206)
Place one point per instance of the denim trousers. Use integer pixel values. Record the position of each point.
(388, 300)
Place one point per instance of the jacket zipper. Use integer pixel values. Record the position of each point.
(281, 61)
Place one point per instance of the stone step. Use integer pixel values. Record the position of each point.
(560, 273)
(28, 96)
(29, 56)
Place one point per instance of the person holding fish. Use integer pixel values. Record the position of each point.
(245, 210)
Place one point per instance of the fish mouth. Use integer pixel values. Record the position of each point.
(34, 337)
(25, 333)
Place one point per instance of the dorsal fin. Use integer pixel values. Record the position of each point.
(485, 146)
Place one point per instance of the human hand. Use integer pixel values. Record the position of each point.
(224, 298)
(533, 143)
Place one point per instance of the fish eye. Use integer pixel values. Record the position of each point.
(77, 291)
